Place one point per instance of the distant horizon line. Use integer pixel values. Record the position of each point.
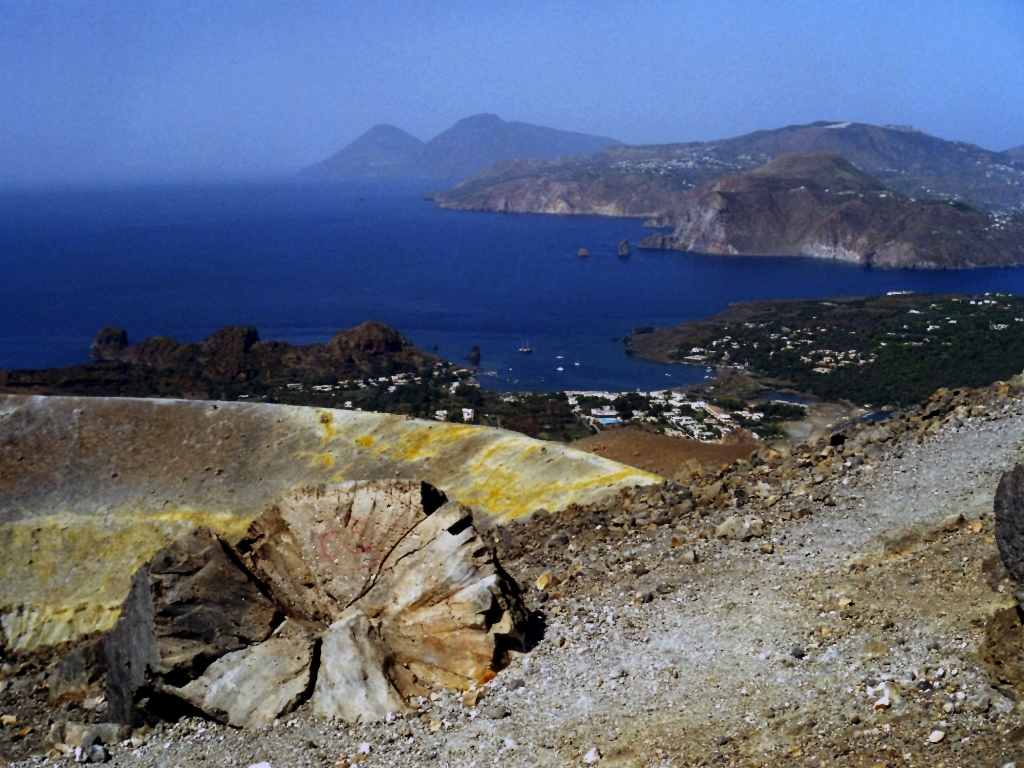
(145, 179)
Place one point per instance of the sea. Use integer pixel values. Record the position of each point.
(301, 260)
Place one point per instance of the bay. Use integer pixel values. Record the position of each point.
(299, 261)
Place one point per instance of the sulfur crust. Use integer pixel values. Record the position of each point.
(109, 482)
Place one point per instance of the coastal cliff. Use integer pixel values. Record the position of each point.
(821, 205)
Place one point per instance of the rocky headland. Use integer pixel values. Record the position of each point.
(822, 206)
(647, 180)
(230, 362)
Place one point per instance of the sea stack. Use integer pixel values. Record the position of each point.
(582, 252)
(623, 249)
(474, 355)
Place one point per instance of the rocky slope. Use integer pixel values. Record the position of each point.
(229, 361)
(647, 180)
(821, 205)
(841, 603)
(470, 145)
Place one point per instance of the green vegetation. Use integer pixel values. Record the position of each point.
(880, 350)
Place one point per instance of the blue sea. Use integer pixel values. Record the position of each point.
(299, 261)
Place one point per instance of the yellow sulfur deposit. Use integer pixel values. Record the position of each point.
(90, 488)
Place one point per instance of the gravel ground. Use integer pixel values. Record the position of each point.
(868, 633)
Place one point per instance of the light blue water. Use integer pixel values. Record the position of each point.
(300, 261)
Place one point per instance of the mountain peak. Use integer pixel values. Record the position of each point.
(380, 152)
(475, 122)
(471, 144)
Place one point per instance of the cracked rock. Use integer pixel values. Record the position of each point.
(386, 590)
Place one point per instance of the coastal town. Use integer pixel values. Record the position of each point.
(459, 399)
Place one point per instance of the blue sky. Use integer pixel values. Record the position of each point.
(96, 90)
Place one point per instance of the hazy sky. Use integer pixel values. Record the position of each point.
(107, 90)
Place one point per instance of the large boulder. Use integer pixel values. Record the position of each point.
(387, 588)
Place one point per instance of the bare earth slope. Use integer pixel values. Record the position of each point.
(878, 631)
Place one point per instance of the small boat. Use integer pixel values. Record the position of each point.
(577, 363)
(559, 357)
(559, 368)
(525, 349)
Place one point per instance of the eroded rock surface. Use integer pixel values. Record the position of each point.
(354, 681)
(258, 684)
(188, 606)
(319, 548)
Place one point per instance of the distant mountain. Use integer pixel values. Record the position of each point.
(647, 180)
(381, 151)
(1017, 153)
(467, 147)
(821, 205)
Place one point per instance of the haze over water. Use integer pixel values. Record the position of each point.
(300, 261)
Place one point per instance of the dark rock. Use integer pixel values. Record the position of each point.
(79, 673)
(370, 338)
(657, 242)
(189, 605)
(623, 249)
(474, 355)
(155, 351)
(1009, 512)
(230, 341)
(109, 343)
(797, 652)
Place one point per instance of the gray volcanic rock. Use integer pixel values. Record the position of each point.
(623, 249)
(443, 603)
(353, 682)
(258, 684)
(318, 549)
(820, 205)
(189, 605)
(1009, 512)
